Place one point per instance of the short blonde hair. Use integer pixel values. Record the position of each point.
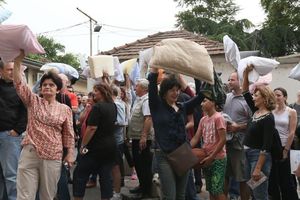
(268, 96)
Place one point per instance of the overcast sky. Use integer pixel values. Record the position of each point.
(123, 21)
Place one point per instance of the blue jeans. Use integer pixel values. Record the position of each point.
(191, 192)
(3, 194)
(172, 186)
(10, 149)
(260, 192)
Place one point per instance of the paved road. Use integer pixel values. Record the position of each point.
(94, 193)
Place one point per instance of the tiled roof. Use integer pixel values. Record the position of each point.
(132, 50)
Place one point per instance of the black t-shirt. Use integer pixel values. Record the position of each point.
(260, 130)
(103, 144)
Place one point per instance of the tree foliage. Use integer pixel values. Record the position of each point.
(280, 34)
(55, 52)
(214, 19)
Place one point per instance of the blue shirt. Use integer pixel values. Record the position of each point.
(169, 125)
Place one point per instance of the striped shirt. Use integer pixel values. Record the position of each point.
(49, 127)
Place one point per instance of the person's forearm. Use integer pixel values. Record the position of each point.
(147, 126)
(189, 125)
(261, 161)
(218, 148)
(17, 71)
(89, 133)
(241, 127)
(193, 142)
(289, 142)
(245, 85)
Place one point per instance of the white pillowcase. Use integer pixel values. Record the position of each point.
(295, 72)
(262, 66)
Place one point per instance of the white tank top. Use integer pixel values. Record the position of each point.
(282, 125)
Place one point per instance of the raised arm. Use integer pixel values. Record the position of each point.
(17, 67)
(24, 92)
(154, 99)
(245, 88)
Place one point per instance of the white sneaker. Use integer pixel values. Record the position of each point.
(116, 196)
(155, 179)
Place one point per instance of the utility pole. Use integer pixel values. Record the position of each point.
(96, 29)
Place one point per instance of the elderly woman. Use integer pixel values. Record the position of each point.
(259, 135)
(98, 146)
(49, 129)
(168, 118)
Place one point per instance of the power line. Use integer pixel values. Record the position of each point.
(62, 29)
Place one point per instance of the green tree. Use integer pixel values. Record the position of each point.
(55, 52)
(280, 34)
(214, 19)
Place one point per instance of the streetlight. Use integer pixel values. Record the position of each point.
(96, 29)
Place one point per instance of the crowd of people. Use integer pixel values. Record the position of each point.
(151, 117)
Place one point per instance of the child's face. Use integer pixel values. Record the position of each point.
(207, 105)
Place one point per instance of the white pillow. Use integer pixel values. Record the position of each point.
(63, 68)
(144, 60)
(295, 72)
(232, 53)
(262, 66)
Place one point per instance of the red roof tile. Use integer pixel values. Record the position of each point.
(132, 50)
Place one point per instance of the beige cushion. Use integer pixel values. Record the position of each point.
(183, 56)
(127, 66)
(100, 64)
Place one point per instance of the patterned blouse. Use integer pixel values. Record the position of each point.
(49, 127)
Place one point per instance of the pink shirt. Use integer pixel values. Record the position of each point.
(209, 126)
(49, 127)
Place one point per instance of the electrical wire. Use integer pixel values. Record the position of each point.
(64, 28)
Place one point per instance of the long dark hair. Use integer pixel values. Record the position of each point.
(105, 90)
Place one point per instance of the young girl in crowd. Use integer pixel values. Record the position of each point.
(212, 128)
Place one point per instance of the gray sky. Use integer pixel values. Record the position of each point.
(122, 21)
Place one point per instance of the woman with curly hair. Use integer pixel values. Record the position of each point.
(259, 136)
